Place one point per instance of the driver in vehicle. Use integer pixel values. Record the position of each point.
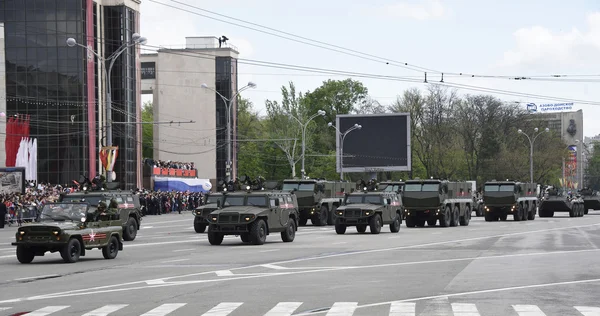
(99, 211)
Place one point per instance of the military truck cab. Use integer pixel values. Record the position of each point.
(433, 199)
(253, 215)
(318, 199)
(503, 198)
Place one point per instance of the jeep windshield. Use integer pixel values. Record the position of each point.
(421, 187)
(393, 188)
(499, 188)
(289, 186)
(256, 200)
(212, 199)
(364, 199)
(63, 212)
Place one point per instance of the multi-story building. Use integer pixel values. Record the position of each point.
(175, 77)
(61, 88)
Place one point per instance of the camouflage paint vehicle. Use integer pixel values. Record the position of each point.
(202, 212)
(556, 200)
(70, 229)
(591, 199)
(129, 207)
(503, 198)
(318, 199)
(253, 215)
(433, 199)
(369, 207)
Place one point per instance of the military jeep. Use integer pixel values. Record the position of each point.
(369, 207)
(71, 229)
(254, 214)
(129, 207)
(202, 212)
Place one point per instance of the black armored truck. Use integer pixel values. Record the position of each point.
(433, 199)
(557, 200)
(503, 198)
(591, 199)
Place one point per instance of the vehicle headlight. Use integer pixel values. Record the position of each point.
(340, 213)
(367, 213)
(22, 232)
(214, 218)
(56, 232)
(248, 218)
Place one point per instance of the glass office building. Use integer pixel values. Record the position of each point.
(59, 89)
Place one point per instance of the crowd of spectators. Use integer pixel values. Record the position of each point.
(158, 203)
(170, 164)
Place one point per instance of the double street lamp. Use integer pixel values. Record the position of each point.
(342, 138)
(531, 141)
(228, 104)
(135, 40)
(303, 126)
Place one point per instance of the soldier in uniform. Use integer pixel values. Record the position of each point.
(94, 215)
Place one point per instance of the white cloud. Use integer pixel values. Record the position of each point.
(420, 10)
(538, 47)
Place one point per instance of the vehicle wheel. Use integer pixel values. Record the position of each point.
(420, 222)
(573, 211)
(431, 222)
(531, 214)
(303, 221)
(290, 231)
(395, 225)
(24, 254)
(70, 253)
(519, 214)
(375, 224)
(464, 220)
(130, 229)
(215, 238)
(581, 211)
(340, 229)
(525, 214)
(585, 211)
(331, 217)
(258, 232)
(111, 250)
(488, 217)
(361, 228)
(245, 237)
(445, 220)
(320, 219)
(410, 221)
(199, 227)
(455, 217)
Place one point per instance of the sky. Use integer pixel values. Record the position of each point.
(532, 39)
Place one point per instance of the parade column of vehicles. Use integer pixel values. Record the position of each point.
(555, 200)
(502, 198)
(71, 229)
(430, 200)
(591, 199)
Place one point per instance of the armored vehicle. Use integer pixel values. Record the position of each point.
(502, 198)
(556, 200)
(433, 199)
(71, 229)
(591, 199)
(391, 186)
(253, 214)
(202, 212)
(129, 207)
(318, 199)
(369, 207)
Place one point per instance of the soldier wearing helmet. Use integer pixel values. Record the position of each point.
(95, 214)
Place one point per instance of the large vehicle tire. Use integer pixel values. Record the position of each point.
(302, 221)
(531, 214)
(375, 224)
(71, 251)
(130, 229)
(519, 214)
(215, 238)
(331, 217)
(420, 222)
(290, 231)
(258, 232)
(464, 220)
(446, 218)
(431, 221)
(245, 237)
(455, 216)
(396, 224)
(111, 250)
(340, 229)
(320, 219)
(199, 227)
(24, 254)
(361, 228)
(525, 213)
(585, 211)
(489, 217)
(410, 221)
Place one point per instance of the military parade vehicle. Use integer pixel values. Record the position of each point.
(391, 186)
(369, 207)
(202, 212)
(557, 200)
(317, 199)
(254, 213)
(128, 205)
(503, 198)
(433, 199)
(71, 229)
(591, 199)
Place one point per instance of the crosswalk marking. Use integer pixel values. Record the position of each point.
(402, 309)
(588, 311)
(105, 310)
(342, 309)
(164, 309)
(528, 310)
(47, 310)
(463, 309)
(284, 309)
(222, 309)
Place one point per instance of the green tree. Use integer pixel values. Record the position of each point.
(249, 130)
(148, 130)
(593, 169)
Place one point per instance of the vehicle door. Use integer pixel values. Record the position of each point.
(387, 208)
(274, 211)
(95, 232)
(285, 205)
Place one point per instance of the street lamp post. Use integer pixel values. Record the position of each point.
(531, 141)
(303, 126)
(228, 105)
(343, 136)
(136, 39)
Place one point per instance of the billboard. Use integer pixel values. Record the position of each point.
(382, 144)
(570, 179)
(555, 107)
(12, 180)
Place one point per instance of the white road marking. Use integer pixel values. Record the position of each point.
(436, 233)
(37, 277)
(146, 227)
(528, 310)
(272, 266)
(105, 310)
(47, 310)
(402, 309)
(164, 309)
(180, 250)
(588, 310)
(503, 226)
(283, 309)
(176, 260)
(4, 308)
(11, 256)
(342, 309)
(463, 309)
(224, 273)
(222, 309)
(340, 243)
(270, 250)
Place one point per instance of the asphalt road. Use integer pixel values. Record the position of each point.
(543, 267)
